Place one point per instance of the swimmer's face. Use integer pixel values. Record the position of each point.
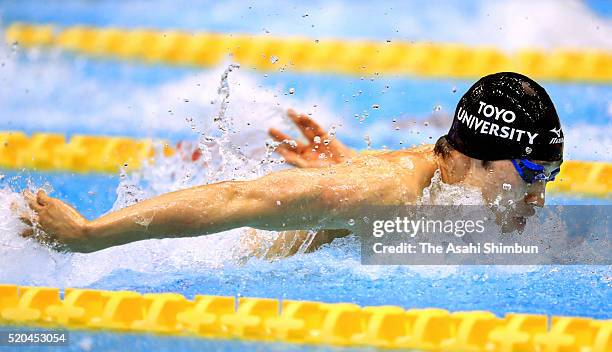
(514, 199)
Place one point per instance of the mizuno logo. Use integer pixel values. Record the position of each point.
(556, 131)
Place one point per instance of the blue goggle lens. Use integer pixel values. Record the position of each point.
(531, 172)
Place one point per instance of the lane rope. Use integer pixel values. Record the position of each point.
(86, 153)
(302, 322)
(356, 57)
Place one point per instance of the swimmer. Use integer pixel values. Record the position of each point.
(505, 139)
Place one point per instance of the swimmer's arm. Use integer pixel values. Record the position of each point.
(287, 200)
(284, 200)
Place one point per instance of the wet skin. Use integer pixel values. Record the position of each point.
(323, 194)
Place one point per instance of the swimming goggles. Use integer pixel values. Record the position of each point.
(531, 172)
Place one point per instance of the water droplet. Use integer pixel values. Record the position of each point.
(507, 186)
(317, 139)
(351, 222)
(273, 59)
(375, 106)
(292, 143)
(278, 202)
(437, 108)
(85, 344)
(291, 90)
(454, 90)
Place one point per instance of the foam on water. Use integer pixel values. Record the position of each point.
(187, 106)
(223, 160)
(226, 155)
(219, 127)
(222, 264)
(62, 89)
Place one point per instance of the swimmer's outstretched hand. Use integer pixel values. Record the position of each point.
(60, 222)
(321, 150)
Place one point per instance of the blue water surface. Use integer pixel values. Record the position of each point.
(67, 90)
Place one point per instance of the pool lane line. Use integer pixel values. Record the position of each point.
(353, 57)
(301, 322)
(107, 154)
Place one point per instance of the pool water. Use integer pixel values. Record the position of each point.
(56, 92)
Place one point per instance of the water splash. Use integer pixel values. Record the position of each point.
(440, 193)
(220, 159)
(30, 263)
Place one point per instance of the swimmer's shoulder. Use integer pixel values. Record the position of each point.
(406, 157)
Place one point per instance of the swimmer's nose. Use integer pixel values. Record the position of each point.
(536, 194)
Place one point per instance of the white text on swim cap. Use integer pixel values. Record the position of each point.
(489, 110)
(492, 128)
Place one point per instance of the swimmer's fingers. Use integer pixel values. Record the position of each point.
(28, 219)
(278, 135)
(27, 233)
(308, 126)
(284, 138)
(291, 156)
(42, 198)
(32, 200)
(38, 201)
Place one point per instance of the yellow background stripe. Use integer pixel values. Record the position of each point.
(305, 322)
(359, 57)
(83, 153)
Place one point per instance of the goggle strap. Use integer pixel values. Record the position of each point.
(518, 168)
(532, 166)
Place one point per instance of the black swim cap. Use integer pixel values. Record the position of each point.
(507, 116)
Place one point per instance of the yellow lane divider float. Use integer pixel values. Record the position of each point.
(357, 57)
(83, 153)
(304, 322)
